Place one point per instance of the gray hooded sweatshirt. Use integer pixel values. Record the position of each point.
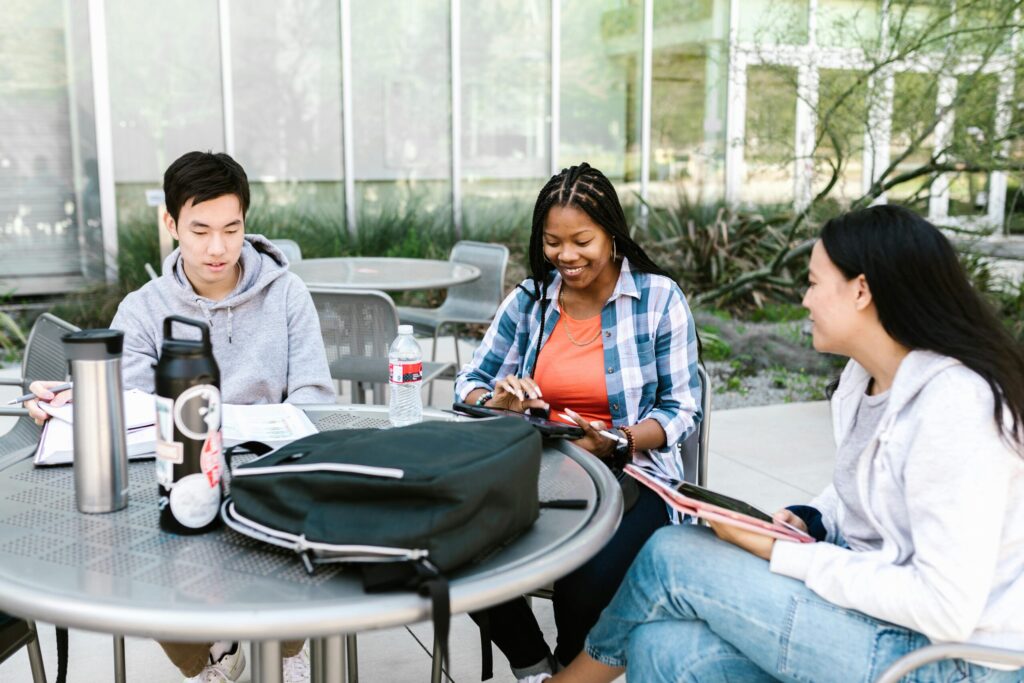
(265, 333)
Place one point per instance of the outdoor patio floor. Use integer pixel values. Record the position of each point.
(770, 456)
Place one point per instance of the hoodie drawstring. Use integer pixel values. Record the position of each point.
(229, 325)
(209, 317)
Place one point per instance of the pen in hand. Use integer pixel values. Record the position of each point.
(622, 441)
(28, 397)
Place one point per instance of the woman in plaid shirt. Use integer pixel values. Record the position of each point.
(590, 281)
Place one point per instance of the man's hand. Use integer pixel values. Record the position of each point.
(43, 393)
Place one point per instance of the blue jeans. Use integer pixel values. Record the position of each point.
(694, 608)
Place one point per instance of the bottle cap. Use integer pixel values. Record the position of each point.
(102, 344)
(405, 329)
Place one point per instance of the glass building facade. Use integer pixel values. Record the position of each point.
(460, 109)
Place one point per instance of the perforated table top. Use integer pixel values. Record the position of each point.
(389, 274)
(119, 573)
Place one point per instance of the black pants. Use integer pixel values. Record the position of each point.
(580, 596)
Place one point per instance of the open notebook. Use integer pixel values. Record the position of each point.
(57, 443)
(272, 424)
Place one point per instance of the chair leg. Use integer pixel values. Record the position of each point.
(119, 674)
(433, 357)
(35, 657)
(455, 338)
(436, 663)
(352, 658)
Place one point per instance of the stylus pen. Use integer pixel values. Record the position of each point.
(29, 397)
(621, 440)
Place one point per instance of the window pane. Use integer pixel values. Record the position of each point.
(842, 121)
(688, 100)
(165, 92)
(770, 135)
(849, 23)
(769, 22)
(600, 87)
(914, 101)
(506, 83)
(286, 76)
(973, 135)
(50, 236)
(401, 99)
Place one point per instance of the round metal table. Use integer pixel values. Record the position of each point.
(388, 274)
(118, 573)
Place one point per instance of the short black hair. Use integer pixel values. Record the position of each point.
(202, 176)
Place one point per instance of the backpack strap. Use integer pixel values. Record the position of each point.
(423, 577)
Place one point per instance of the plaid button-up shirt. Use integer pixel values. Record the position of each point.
(650, 357)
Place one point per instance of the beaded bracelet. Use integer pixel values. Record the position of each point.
(631, 447)
(485, 398)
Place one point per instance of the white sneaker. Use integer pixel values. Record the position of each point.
(225, 670)
(536, 678)
(296, 669)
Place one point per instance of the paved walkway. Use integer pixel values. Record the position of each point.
(770, 456)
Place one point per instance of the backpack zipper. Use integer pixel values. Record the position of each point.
(321, 551)
(340, 468)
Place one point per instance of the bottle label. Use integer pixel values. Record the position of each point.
(210, 458)
(404, 373)
(197, 411)
(167, 449)
(194, 503)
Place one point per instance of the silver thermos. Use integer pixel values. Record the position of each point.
(101, 457)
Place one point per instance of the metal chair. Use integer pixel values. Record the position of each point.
(290, 248)
(934, 653)
(43, 360)
(16, 633)
(695, 449)
(358, 327)
(473, 302)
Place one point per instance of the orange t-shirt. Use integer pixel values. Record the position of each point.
(572, 376)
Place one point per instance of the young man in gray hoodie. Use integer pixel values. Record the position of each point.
(263, 326)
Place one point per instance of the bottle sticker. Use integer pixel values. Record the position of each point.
(210, 458)
(164, 421)
(194, 503)
(402, 373)
(164, 472)
(197, 411)
(171, 452)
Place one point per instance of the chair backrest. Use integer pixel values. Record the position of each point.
(44, 352)
(695, 448)
(983, 654)
(290, 248)
(44, 360)
(478, 299)
(358, 328)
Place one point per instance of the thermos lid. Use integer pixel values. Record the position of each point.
(102, 344)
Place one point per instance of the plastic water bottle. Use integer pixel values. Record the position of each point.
(405, 369)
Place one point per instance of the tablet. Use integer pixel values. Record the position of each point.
(549, 428)
(719, 500)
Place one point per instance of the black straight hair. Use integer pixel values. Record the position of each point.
(202, 176)
(586, 188)
(925, 300)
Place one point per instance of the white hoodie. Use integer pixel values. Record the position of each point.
(957, 574)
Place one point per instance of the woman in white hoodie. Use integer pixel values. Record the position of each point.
(922, 530)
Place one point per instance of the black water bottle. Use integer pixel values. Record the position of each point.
(189, 457)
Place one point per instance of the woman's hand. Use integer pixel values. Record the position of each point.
(42, 391)
(592, 439)
(790, 518)
(753, 543)
(518, 394)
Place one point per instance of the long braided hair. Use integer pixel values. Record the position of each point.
(585, 188)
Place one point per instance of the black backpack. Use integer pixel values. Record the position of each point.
(411, 503)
